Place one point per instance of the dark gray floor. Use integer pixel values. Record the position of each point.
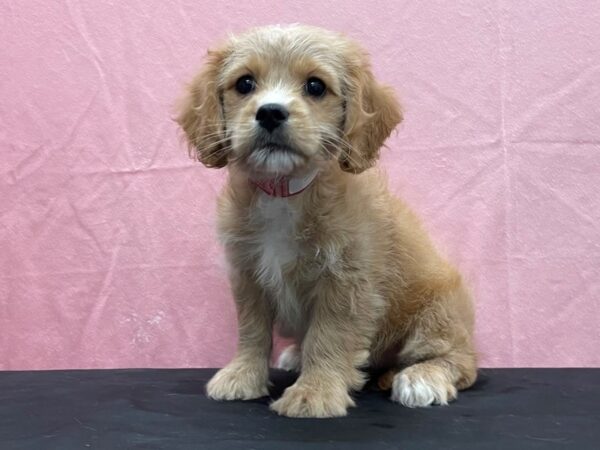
(507, 409)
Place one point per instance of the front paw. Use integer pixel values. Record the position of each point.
(304, 400)
(238, 382)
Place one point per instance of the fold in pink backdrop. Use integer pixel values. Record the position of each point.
(108, 255)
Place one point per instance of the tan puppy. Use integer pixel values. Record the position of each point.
(315, 242)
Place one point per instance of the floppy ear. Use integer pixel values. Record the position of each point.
(201, 114)
(372, 112)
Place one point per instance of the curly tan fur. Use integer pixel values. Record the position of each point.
(344, 268)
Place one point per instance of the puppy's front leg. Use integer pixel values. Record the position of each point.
(336, 344)
(247, 375)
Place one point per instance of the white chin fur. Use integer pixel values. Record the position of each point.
(274, 162)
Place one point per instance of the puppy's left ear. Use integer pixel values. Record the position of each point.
(372, 112)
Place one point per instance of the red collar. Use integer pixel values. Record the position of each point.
(285, 186)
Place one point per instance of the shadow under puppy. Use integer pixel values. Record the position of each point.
(315, 243)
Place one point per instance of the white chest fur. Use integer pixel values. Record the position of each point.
(276, 250)
(276, 246)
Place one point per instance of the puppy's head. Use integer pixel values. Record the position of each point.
(280, 101)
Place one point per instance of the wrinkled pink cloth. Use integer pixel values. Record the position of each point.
(108, 252)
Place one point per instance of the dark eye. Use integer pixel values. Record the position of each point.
(315, 87)
(246, 84)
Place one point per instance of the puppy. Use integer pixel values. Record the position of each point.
(316, 244)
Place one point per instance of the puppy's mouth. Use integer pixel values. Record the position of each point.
(276, 147)
(275, 158)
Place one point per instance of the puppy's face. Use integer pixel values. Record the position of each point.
(280, 101)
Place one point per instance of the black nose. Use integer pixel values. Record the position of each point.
(271, 115)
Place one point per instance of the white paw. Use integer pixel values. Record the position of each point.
(289, 359)
(416, 387)
(238, 382)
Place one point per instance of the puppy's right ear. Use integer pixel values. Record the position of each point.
(200, 114)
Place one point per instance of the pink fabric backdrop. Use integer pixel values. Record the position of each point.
(108, 254)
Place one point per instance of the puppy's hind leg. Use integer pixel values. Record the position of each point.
(290, 359)
(441, 351)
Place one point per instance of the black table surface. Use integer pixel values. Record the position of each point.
(166, 409)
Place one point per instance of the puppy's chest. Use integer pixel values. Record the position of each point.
(280, 257)
(274, 244)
